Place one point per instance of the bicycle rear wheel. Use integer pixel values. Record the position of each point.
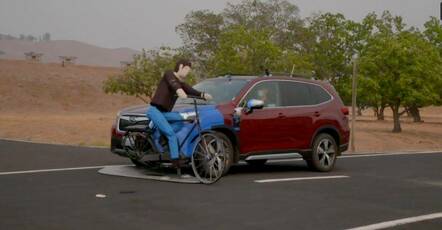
(136, 146)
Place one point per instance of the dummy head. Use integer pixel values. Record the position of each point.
(263, 94)
(182, 68)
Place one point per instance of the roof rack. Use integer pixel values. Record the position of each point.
(270, 74)
(236, 74)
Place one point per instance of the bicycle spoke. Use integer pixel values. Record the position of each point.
(209, 158)
(199, 166)
(220, 146)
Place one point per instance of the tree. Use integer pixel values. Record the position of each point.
(402, 68)
(200, 33)
(330, 51)
(433, 33)
(277, 17)
(328, 42)
(244, 51)
(46, 37)
(142, 77)
(432, 94)
(31, 38)
(202, 30)
(372, 27)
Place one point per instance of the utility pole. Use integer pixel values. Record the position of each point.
(293, 70)
(353, 105)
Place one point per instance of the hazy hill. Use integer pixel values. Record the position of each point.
(87, 54)
(36, 88)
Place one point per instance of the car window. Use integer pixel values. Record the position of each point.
(267, 91)
(319, 94)
(222, 90)
(296, 94)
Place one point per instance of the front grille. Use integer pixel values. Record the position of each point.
(128, 120)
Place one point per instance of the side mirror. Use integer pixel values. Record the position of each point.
(253, 104)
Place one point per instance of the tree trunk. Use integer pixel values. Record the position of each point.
(376, 111)
(414, 111)
(407, 110)
(380, 114)
(359, 111)
(397, 123)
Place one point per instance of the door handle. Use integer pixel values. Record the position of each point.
(317, 114)
(281, 115)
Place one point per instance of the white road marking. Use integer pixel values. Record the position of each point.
(394, 223)
(299, 178)
(271, 161)
(56, 144)
(388, 154)
(55, 170)
(100, 196)
(363, 155)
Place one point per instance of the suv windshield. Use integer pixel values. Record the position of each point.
(222, 90)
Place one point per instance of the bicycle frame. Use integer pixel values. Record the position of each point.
(196, 125)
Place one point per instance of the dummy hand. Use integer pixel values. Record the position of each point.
(181, 93)
(207, 96)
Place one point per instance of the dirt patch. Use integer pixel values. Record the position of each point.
(29, 88)
(73, 129)
(55, 104)
(376, 136)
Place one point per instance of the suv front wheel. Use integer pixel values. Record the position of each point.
(324, 152)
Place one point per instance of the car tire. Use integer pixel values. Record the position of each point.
(229, 150)
(256, 163)
(324, 153)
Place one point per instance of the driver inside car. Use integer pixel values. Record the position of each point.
(170, 87)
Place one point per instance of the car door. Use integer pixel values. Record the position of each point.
(259, 130)
(300, 114)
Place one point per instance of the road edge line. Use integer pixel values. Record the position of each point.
(299, 179)
(55, 170)
(55, 144)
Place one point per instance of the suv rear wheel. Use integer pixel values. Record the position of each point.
(324, 152)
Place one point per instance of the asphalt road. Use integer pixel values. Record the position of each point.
(375, 189)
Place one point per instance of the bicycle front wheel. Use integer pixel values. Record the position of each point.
(209, 158)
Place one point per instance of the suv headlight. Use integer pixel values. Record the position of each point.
(117, 118)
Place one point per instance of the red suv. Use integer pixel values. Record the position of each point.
(267, 118)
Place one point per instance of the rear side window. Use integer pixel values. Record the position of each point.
(296, 94)
(319, 94)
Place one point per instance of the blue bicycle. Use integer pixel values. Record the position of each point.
(209, 153)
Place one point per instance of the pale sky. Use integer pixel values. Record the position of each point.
(151, 23)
